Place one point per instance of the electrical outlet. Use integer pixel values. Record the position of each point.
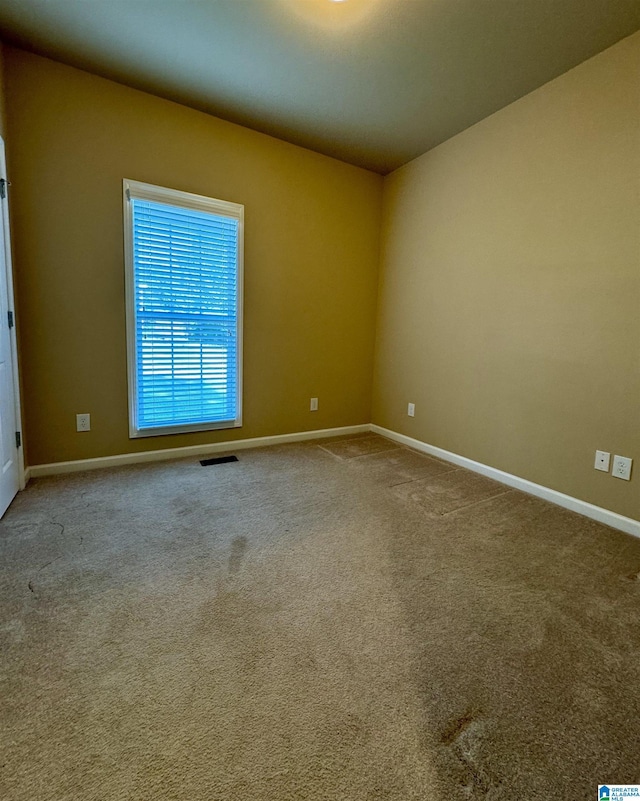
(411, 410)
(622, 467)
(313, 406)
(602, 461)
(83, 422)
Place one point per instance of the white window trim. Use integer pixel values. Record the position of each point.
(175, 197)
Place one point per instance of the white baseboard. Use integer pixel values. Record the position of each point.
(626, 524)
(56, 468)
(613, 519)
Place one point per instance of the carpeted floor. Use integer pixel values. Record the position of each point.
(345, 620)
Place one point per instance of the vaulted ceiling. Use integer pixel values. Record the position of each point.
(371, 82)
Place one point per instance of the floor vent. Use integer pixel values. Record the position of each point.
(218, 460)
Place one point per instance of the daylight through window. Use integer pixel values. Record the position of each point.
(184, 310)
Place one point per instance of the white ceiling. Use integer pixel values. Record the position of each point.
(372, 82)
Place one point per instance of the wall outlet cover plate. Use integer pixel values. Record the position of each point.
(83, 422)
(622, 467)
(602, 461)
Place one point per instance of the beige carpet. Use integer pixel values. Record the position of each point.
(346, 620)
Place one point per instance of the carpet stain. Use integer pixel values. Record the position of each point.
(238, 550)
(464, 736)
(457, 727)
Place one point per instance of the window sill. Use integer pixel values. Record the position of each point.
(191, 428)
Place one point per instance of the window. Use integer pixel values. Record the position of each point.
(183, 257)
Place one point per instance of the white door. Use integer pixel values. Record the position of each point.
(10, 466)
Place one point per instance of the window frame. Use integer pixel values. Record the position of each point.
(142, 191)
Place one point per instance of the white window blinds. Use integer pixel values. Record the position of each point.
(185, 320)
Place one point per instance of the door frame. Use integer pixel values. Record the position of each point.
(11, 305)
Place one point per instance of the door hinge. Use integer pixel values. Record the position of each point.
(10, 316)
(3, 187)
(18, 439)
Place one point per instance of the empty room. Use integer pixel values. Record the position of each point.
(319, 400)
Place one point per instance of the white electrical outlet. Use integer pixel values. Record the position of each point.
(83, 422)
(313, 406)
(411, 410)
(622, 467)
(602, 461)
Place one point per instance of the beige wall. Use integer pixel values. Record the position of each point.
(3, 114)
(311, 259)
(509, 308)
